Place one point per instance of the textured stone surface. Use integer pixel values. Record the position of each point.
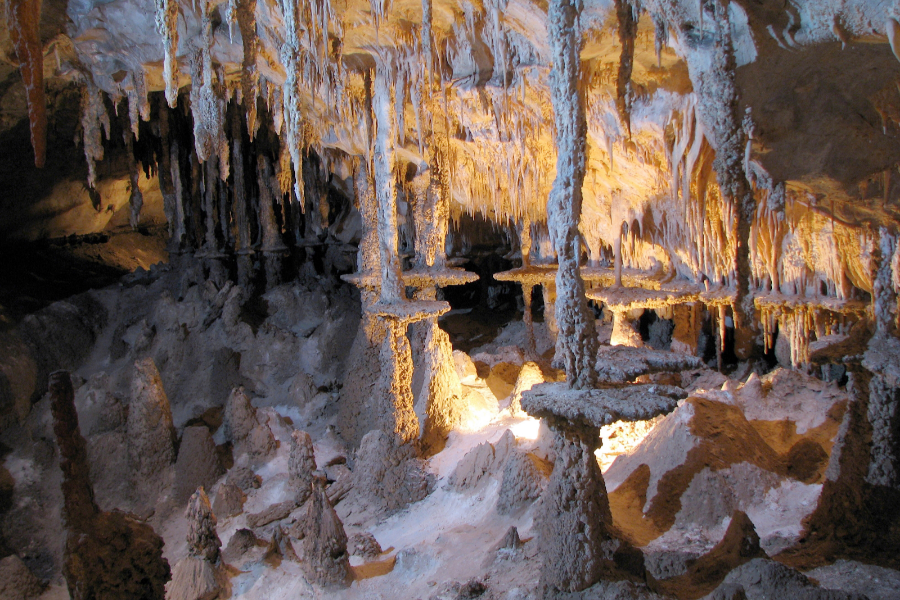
(301, 465)
(327, 562)
(598, 407)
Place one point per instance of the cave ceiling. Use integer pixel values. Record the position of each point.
(817, 81)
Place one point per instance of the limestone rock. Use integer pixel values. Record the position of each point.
(194, 579)
(17, 582)
(473, 467)
(244, 478)
(197, 464)
(107, 554)
(522, 482)
(273, 513)
(465, 368)
(240, 543)
(240, 416)
(762, 579)
(245, 430)
(364, 545)
(117, 558)
(203, 541)
(326, 560)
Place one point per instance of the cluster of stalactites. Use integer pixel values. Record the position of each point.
(208, 101)
(312, 66)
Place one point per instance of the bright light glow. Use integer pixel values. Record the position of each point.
(527, 428)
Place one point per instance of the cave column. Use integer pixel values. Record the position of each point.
(576, 344)
(273, 247)
(393, 308)
(244, 241)
(576, 517)
(720, 110)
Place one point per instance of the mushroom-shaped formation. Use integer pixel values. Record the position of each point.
(576, 522)
(626, 304)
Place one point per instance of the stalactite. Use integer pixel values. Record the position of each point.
(93, 115)
(207, 107)
(24, 19)
(577, 339)
(628, 24)
(246, 19)
(136, 199)
(292, 90)
(167, 27)
(166, 180)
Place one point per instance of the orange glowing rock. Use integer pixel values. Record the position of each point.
(24, 25)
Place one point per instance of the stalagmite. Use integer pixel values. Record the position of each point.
(107, 554)
(326, 560)
(577, 542)
(301, 465)
(24, 19)
(576, 343)
(197, 576)
(151, 433)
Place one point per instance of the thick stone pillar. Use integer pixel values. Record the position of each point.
(575, 517)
